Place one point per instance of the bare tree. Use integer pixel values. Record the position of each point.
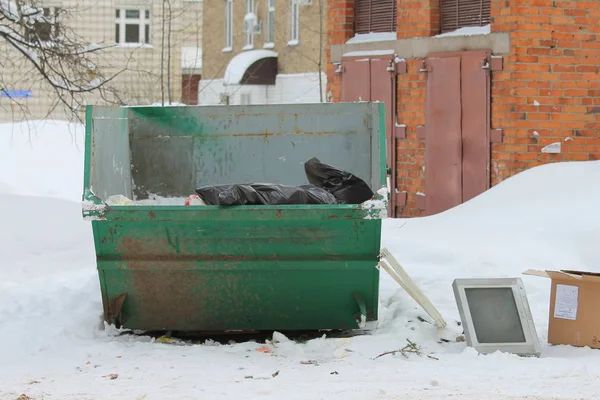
(70, 65)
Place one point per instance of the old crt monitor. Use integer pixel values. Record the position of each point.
(495, 315)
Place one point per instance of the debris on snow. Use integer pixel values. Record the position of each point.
(265, 350)
(410, 348)
(119, 200)
(263, 377)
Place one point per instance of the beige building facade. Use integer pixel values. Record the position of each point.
(153, 47)
(264, 52)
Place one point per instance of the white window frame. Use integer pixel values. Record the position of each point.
(249, 35)
(246, 98)
(270, 34)
(294, 24)
(228, 26)
(141, 22)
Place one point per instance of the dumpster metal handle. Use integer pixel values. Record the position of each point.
(360, 300)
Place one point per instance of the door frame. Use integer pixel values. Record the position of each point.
(391, 118)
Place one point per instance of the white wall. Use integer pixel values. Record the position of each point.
(293, 88)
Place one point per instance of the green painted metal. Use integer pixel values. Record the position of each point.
(210, 268)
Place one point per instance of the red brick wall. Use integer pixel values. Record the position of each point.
(554, 61)
(418, 18)
(340, 28)
(547, 92)
(410, 152)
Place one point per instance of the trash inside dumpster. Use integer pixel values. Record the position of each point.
(346, 187)
(175, 251)
(329, 185)
(264, 194)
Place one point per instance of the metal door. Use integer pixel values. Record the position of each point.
(475, 124)
(356, 81)
(443, 143)
(457, 144)
(189, 89)
(366, 79)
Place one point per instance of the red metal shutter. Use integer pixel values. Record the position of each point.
(457, 14)
(375, 16)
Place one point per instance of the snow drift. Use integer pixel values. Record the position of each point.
(51, 345)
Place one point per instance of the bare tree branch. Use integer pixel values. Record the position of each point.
(59, 57)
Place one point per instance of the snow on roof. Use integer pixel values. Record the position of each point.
(191, 57)
(372, 37)
(368, 53)
(468, 31)
(241, 62)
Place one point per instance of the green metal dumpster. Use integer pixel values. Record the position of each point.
(248, 268)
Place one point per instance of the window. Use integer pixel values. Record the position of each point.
(456, 14)
(375, 16)
(245, 98)
(270, 38)
(249, 19)
(294, 23)
(45, 28)
(133, 26)
(228, 25)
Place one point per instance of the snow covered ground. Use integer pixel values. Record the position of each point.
(52, 347)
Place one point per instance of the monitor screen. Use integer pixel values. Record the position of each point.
(494, 314)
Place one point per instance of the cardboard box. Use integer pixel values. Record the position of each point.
(574, 307)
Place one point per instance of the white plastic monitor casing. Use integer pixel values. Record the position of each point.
(531, 346)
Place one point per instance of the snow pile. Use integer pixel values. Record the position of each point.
(543, 218)
(42, 158)
(49, 291)
(51, 345)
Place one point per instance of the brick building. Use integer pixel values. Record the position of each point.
(263, 52)
(475, 90)
(145, 42)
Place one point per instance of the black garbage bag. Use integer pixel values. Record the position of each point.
(263, 194)
(346, 187)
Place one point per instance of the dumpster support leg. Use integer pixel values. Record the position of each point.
(114, 310)
(363, 309)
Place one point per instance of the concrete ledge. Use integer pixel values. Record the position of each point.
(498, 43)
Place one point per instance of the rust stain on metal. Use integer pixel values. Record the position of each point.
(177, 291)
(296, 132)
(180, 299)
(169, 298)
(152, 214)
(114, 306)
